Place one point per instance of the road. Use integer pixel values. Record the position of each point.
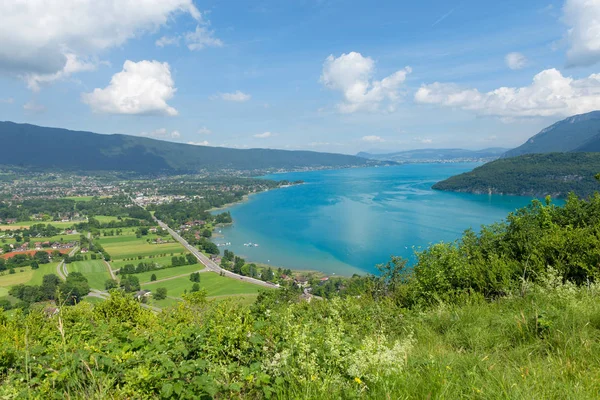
(208, 263)
(105, 296)
(61, 268)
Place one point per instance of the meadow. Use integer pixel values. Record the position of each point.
(213, 283)
(128, 246)
(95, 271)
(160, 260)
(27, 224)
(26, 276)
(166, 273)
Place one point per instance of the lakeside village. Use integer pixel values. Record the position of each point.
(57, 224)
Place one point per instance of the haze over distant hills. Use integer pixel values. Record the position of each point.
(35, 146)
(437, 155)
(577, 133)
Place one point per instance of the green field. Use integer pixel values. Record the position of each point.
(27, 277)
(163, 261)
(128, 246)
(27, 224)
(105, 218)
(144, 277)
(95, 271)
(80, 198)
(214, 284)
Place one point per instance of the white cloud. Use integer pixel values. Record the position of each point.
(352, 75)
(196, 40)
(45, 40)
(204, 143)
(167, 41)
(204, 131)
(237, 96)
(550, 94)
(372, 139)
(34, 107)
(583, 19)
(8, 100)
(264, 135)
(141, 88)
(423, 140)
(515, 61)
(201, 38)
(162, 133)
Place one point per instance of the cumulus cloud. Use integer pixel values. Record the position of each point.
(141, 88)
(515, 61)
(167, 41)
(204, 131)
(263, 135)
(583, 19)
(44, 41)
(162, 133)
(352, 75)
(204, 143)
(236, 96)
(550, 94)
(372, 139)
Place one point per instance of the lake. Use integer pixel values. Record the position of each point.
(347, 221)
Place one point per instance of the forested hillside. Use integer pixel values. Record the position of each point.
(538, 175)
(510, 312)
(570, 134)
(36, 146)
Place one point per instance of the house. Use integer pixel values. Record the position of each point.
(301, 281)
(152, 230)
(51, 311)
(325, 279)
(142, 294)
(84, 250)
(199, 223)
(10, 221)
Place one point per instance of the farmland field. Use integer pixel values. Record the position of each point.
(28, 276)
(95, 271)
(214, 284)
(163, 261)
(105, 218)
(128, 246)
(144, 277)
(27, 224)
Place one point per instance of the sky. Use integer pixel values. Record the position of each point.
(322, 75)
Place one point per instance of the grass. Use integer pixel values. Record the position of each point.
(144, 277)
(25, 275)
(27, 224)
(163, 261)
(128, 246)
(95, 271)
(105, 218)
(80, 198)
(92, 300)
(214, 284)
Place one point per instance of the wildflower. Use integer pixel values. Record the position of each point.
(357, 380)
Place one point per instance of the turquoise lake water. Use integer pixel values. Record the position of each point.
(347, 221)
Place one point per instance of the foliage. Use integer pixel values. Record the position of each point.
(539, 175)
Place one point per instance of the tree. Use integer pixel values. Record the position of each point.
(161, 293)
(195, 277)
(75, 288)
(130, 283)
(152, 277)
(207, 233)
(211, 248)
(195, 288)
(34, 265)
(111, 284)
(191, 259)
(50, 283)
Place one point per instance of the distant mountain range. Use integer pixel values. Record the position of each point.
(28, 145)
(561, 158)
(578, 133)
(437, 155)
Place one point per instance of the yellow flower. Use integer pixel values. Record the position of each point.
(357, 380)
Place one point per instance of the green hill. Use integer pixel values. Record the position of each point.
(35, 146)
(572, 134)
(539, 175)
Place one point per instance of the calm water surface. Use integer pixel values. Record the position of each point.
(347, 221)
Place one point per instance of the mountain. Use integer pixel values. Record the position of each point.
(35, 146)
(437, 155)
(576, 133)
(554, 174)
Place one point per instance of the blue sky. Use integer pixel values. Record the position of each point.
(324, 75)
